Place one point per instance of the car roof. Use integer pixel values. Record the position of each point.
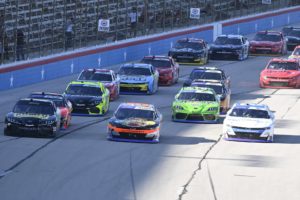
(36, 100)
(95, 70)
(284, 60)
(196, 40)
(231, 36)
(254, 106)
(46, 95)
(87, 83)
(269, 32)
(196, 89)
(139, 106)
(211, 69)
(292, 28)
(208, 82)
(137, 65)
(158, 57)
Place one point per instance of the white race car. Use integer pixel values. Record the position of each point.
(249, 122)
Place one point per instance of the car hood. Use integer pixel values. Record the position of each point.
(195, 105)
(29, 115)
(280, 73)
(164, 69)
(134, 79)
(82, 99)
(265, 43)
(248, 122)
(134, 122)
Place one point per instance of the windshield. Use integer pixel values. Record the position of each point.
(267, 37)
(157, 63)
(226, 40)
(125, 113)
(95, 76)
(135, 71)
(217, 88)
(294, 33)
(193, 96)
(283, 66)
(249, 113)
(191, 45)
(199, 74)
(83, 90)
(34, 107)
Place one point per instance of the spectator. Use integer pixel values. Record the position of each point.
(20, 45)
(133, 18)
(69, 33)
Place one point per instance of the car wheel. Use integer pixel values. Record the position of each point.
(241, 56)
(6, 132)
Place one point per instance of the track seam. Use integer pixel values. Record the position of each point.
(131, 176)
(10, 140)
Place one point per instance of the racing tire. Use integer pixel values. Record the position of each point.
(6, 132)
(241, 56)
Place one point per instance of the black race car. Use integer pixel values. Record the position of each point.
(292, 35)
(33, 117)
(207, 73)
(229, 46)
(135, 122)
(190, 51)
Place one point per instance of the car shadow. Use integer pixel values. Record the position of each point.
(179, 140)
(287, 139)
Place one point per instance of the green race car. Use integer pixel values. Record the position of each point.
(88, 98)
(196, 105)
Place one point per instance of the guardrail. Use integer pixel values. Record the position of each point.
(47, 68)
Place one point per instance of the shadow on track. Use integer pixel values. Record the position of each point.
(287, 139)
(179, 140)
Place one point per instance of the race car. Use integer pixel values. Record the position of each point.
(196, 105)
(207, 73)
(60, 101)
(33, 117)
(167, 68)
(108, 77)
(268, 42)
(88, 98)
(249, 122)
(229, 46)
(135, 122)
(292, 35)
(281, 73)
(190, 51)
(220, 89)
(138, 78)
(296, 53)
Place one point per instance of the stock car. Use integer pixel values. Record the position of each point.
(292, 35)
(229, 46)
(108, 77)
(196, 105)
(60, 102)
(38, 117)
(249, 122)
(190, 51)
(167, 68)
(135, 122)
(220, 89)
(138, 78)
(207, 73)
(268, 42)
(88, 98)
(281, 73)
(296, 53)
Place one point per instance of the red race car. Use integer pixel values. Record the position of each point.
(106, 76)
(281, 73)
(268, 42)
(64, 106)
(166, 66)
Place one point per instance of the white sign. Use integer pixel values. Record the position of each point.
(195, 13)
(266, 1)
(103, 25)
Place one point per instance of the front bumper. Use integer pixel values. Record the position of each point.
(214, 54)
(32, 130)
(195, 118)
(88, 110)
(278, 83)
(133, 135)
(248, 134)
(189, 58)
(134, 88)
(261, 50)
(165, 80)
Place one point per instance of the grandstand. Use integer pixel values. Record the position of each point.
(44, 23)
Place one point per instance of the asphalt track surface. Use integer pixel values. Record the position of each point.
(190, 162)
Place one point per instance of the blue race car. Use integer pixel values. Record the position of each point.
(138, 78)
